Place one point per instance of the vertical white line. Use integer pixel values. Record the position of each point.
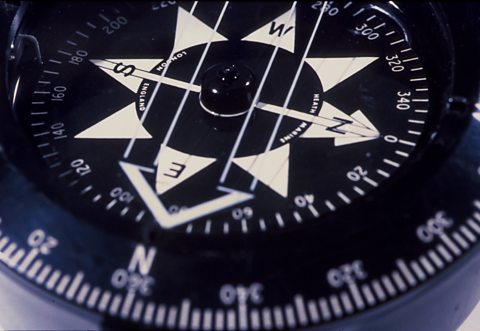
(155, 91)
(92, 299)
(219, 319)
(148, 314)
(207, 321)
(102, 305)
(137, 310)
(347, 303)
(115, 304)
(267, 318)
(386, 281)
(223, 177)
(367, 292)
(195, 319)
(255, 319)
(292, 88)
(184, 315)
(82, 294)
(172, 317)
(43, 274)
(398, 280)
(242, 316)
(313, 311)
(402, 266)
(53, 279)
(357, 297)
(77, 280)
(127, 304)
(160, 315)
(324, 309)
(231, 320)
(192, 80)
(301, 311)
(336, 307)
(278, 318)
(290, 317)
(27, 260)
(379, 292)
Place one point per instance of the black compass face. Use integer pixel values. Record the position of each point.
(223, 118)
(234, 165)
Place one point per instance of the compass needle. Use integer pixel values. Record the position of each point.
(237, 165)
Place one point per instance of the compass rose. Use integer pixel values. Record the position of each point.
(271, 167)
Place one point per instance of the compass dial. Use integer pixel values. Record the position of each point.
(218, 122)
(239, 165)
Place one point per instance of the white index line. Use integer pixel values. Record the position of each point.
(290, 92)
(129, 148)
(228, 165)
(192, 80)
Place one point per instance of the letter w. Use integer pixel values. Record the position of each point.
(279, 30)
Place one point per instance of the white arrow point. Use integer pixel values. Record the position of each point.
(190, 31)
(332, 71)
(124, 124)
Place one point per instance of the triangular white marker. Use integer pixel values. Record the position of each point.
(196, 33)
(477, 116)
(270, 168)
(125, 70)
(332, 71)
(351, 140)
(124, 124)
(362, 119)
(175, 167)
(269, 33)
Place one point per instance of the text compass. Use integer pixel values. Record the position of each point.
(236, 165)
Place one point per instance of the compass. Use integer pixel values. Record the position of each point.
(242, 165)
